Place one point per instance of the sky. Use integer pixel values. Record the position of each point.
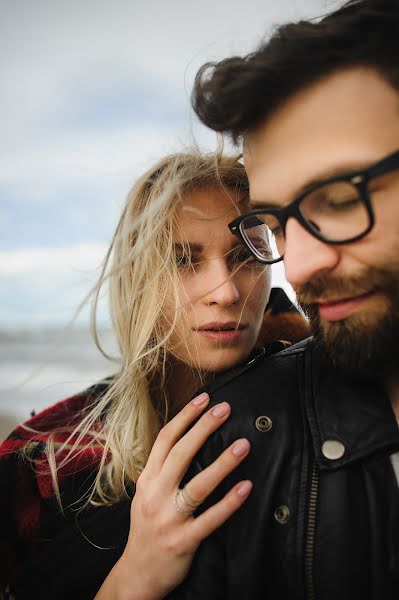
(93, 93)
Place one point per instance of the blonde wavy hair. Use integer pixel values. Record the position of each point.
(141, 273)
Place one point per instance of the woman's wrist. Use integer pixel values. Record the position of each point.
(124, 583)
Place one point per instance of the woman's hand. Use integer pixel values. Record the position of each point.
(164, 534)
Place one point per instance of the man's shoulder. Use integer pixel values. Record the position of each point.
(272, 364)
(267, 398)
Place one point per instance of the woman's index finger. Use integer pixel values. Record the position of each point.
(171, 433)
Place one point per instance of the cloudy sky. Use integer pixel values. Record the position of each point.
(93, 92)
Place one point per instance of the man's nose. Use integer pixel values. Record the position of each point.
(222, 284)
(306, 257)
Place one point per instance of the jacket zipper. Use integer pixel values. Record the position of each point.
(310, 534)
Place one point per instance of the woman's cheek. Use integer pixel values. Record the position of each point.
(268, 282)
(191, 289)
(258, 286)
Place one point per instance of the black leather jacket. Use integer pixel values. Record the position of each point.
(322, 521)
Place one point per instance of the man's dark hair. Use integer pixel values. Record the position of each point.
(235, 95)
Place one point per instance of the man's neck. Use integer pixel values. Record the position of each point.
(392, 387)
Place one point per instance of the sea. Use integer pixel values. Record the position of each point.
(39, 368)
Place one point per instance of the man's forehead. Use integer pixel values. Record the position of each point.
(345, 121)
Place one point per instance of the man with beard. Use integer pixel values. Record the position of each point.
(317, 108)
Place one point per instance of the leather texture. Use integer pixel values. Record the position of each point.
(313, 527)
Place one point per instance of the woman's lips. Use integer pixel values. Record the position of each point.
(222, 333)
(230, 335)
(341, 309)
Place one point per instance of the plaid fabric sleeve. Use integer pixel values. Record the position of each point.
(19, 511)
(25, 482)
(7, 528)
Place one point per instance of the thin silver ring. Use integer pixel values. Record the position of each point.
(176, 503)
(188, 500)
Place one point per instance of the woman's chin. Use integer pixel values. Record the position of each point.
(227, 361)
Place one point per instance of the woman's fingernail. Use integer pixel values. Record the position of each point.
(244, 489)
(201, 399)
(221, 410)
(240, 447)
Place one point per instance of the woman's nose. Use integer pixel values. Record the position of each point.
(222, 284)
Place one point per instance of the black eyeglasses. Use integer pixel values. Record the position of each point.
(337, 210)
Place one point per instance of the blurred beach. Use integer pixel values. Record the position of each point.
(39, 368)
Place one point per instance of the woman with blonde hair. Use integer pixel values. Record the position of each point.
(92, 500)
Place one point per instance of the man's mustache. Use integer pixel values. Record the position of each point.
(329, 289)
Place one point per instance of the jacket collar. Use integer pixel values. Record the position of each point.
(355, 413)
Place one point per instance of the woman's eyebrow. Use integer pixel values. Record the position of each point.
(194, 247)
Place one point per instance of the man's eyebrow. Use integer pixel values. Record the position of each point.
(320, 178)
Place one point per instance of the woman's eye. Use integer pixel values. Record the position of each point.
(183, 261)
(243, 256)
(187, 261)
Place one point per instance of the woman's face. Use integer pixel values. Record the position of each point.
(222, 291)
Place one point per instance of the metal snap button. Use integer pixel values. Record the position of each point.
(263, 423)
(333, 449)
(282, 514)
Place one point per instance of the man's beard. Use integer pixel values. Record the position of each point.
(365, 343)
